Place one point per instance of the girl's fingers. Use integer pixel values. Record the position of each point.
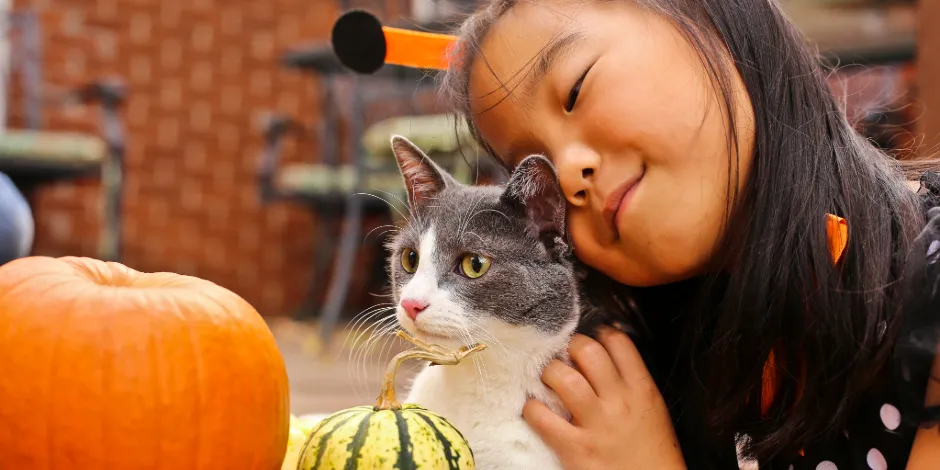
(573, 389)
(553, 429)
(596, 364)
(625, 356)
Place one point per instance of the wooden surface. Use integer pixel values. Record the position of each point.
(324, 382)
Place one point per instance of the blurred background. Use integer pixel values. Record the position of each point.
(222, 139)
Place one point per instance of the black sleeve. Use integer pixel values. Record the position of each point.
(919, 338)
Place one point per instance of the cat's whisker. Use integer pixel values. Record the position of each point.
(409, 206)
(506, 349)
(426, 204)
(469, 216)
(478, 237)
(481, 371)
(412, 204)
(357, 335)
(395, 196)
(386, 350)
(387, 230)
(363, 363)
(485, 336)
(360, 351)
(503, 352)
(490, 340)
(478, 363)
(483, 211)
(367, 313)
(480, 368)
(473, 212)
(390, 205)
(360, 321)
(382, 329)
(388, 227)
(383, 336)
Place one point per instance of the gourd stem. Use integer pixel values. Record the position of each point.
(430, 352)
(387, 399)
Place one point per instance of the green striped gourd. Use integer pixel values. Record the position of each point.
(389, 435)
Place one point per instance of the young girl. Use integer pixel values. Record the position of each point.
(710, 172)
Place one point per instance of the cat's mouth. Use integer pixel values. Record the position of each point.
(434, 327)
(436, 335)
(426, 335)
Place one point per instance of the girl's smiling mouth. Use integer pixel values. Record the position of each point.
(618, 200)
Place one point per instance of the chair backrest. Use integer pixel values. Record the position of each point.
(399, 86)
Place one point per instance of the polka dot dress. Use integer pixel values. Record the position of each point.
(875, 439)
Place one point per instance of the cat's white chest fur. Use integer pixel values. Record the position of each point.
(483, 399)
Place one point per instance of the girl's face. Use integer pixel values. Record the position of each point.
(624, 108)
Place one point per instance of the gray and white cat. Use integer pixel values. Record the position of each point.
(489, 264)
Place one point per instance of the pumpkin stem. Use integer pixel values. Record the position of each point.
(430, 352)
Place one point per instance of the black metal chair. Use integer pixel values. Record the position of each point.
(33, 157)
(369, 178)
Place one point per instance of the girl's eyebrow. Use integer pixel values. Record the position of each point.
(547, 57)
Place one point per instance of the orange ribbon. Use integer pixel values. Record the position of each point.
(837, 234)
(417, 49)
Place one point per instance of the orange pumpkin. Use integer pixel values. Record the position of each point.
(104, 367)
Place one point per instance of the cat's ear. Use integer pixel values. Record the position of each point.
(423, 178)
(534, 186)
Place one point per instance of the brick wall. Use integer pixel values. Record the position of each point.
(200, 74)
(928, 39)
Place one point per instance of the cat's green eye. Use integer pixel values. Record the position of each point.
(474, 266)
(409, 260)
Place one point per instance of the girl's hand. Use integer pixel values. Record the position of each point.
(619, 418)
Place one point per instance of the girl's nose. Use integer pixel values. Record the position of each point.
(576, 166)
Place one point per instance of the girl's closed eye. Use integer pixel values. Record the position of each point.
(576, 91)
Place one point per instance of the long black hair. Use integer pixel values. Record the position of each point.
(830, 327)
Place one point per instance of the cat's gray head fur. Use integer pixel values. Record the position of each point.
(519, 227)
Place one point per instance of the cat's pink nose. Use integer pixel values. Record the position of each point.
(414, 307)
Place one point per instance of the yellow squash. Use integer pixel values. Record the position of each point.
(299, 430)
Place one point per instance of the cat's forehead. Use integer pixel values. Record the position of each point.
(457, 210)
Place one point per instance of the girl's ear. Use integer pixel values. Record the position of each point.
(423, 178)
(534, 186)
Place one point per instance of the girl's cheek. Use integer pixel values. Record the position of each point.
(576, 235)
(587, 248)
